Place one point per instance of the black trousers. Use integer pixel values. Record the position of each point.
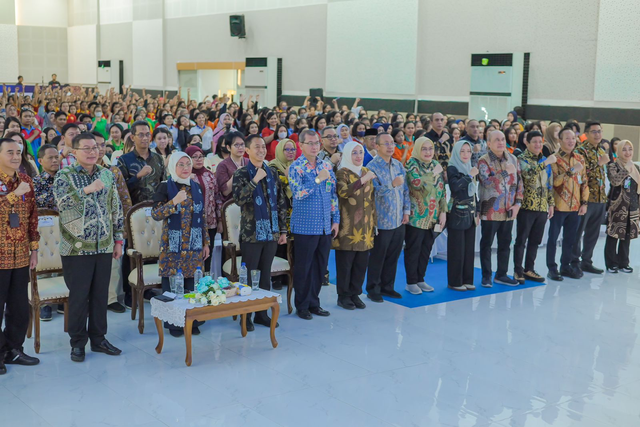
(259, 256)
(588, 232)
(351, 267)
(87, 277)
(616, 252)
(14, 308)
(460, 255)
(383, 260)
(188, 286)
(529, 233)
(312, 258)
(418, 244)
(568, 222)
(491, 229)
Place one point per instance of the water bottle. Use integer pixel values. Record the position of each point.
(179, 281)
(197, 276)
(243, 274)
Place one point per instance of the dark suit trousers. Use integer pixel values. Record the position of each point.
(460, 256)
(568, 222)
(491, 229)
(351, 268)
(14, 308)
(311, 260)
(530, 230)
(383, 260)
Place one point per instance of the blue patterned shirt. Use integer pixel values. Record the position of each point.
(391, 202)
(315, 206)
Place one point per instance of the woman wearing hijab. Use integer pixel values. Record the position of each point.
(207, 181)
(179, 204)
(224, 125)
(357, 222)
(551, 139)
(428, 212)
(624, 209)
(344, 136)
(462, 220)
(285, 155)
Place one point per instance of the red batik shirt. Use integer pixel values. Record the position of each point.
(16, 244)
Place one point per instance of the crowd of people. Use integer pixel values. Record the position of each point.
(319, 177)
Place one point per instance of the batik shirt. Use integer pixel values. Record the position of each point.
(595, 172)
(243, 195)
(427, 193)
(90, 224)
(16, 244)
(499, 190)
(315, 206)
(43, 185)
(538, 182)
(392, 203)
(570, 189)
(141, 189)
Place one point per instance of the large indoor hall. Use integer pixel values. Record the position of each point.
(407, 213)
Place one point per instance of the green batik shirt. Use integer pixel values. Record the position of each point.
(90, 224)
(538, 182)
(595, 172)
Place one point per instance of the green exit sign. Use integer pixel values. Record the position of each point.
(485, 61)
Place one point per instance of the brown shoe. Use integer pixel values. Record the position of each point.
(534, 276)
(519, 278)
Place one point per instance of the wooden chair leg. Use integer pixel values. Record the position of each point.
(66, 316)
(134, 302)
(289, 292)
(141, 316)
(36, 344)
(31, 316)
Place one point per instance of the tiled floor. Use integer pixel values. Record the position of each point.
(565, 354)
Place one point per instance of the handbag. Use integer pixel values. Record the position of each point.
(461, 215)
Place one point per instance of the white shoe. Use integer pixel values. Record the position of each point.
(470, 287)
(414, 289)
(425, 287)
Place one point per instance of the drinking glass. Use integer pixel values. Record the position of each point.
(255, 280)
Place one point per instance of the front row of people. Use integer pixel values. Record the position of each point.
(365, 213)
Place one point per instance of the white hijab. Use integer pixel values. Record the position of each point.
(173, 162)
(346, 161)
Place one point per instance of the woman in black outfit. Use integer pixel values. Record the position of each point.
(461, 219)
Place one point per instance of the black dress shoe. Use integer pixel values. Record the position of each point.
(107, 348)
(3, 369)
(572, 274)
(319, 311)
(554, 275)
(589, 268)
(195, 330)
(17, 357)
(305, 314)
(177, 332)
(346, 303)
(276, 284)
(391, 294)
(264, 321)
(77, 354)
(116, 307)
(250, 327)
(127, 301)
(358, 302)
(375, 297)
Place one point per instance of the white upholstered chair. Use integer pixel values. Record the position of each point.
(232, 257)
(47, 284)
(143, 247)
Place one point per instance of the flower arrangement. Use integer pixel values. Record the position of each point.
(209, 292)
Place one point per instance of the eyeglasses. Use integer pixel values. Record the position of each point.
(290, 150)
(88, 149)
(313, 144)
(183, 165)
(238, 146)
(143, 135)
(595, 132)
(331, 137)
(387, 144)
(197, 157)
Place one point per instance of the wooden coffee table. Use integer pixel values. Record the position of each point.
(228, 309)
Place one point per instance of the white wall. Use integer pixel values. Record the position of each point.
(83, 61)
(42, 13)
(351, 67)
(148, 57)
(115, 43)
(9, 49)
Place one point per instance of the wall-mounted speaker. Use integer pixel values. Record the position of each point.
(236, 26)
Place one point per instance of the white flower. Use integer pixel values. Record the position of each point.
(192, 300)
(218, 292)
(198, 295)
(210, 295)
(203, 300)
(214, 302)
(223, 298)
